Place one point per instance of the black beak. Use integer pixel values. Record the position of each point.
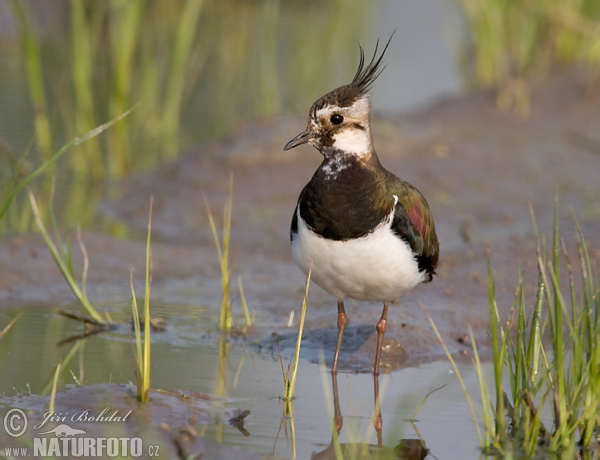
(300, 139)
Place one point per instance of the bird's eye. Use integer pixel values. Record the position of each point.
(336, 119)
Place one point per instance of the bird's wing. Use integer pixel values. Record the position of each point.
(413, 223)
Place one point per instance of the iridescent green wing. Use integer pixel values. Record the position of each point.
(413, 223)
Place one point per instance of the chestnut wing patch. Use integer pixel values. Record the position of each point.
(414, 224)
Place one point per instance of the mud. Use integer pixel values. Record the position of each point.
(480, 169)
(170, 425)
(112, 410)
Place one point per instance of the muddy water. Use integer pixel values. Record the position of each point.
(478, 168)
(237, 380)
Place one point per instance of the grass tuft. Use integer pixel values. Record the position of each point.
(142, 356)
(222, 245)
(290, 376)
(514, 41)
(61, 250)
(63, 259)
(553, 401)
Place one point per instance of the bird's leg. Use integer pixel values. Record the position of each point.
(337, 417)
(377, 420)
(380, 332)
(341, 323)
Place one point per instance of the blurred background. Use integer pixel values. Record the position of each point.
(209, 83)
(197, 71)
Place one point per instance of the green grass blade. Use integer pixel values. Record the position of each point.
(458, 376)
(146, 378)
(61, 263)
(294, 373)
(136, 327)
(54, 158)
(243, 302)
(535, 337)
(486, 402)
(174, 92)
(54, 387)
(498, 352)
(33, 62)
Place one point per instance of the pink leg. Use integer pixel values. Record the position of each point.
(380, 332)
(377, 420)
(337, 416)
(341, 323)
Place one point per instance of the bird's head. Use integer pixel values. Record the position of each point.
(338, 123)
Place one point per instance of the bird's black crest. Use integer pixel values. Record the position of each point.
(365, 76)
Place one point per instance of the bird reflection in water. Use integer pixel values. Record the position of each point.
(407, 449)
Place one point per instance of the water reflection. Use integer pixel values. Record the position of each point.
(91, 327)
(221, 391)
(407, 449)
(288, 417)
(183, 359)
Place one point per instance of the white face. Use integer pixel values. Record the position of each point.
(352, 135)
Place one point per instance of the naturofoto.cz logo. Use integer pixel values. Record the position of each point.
(63, 440)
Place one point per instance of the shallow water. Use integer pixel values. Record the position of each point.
(253, 380)
(186, 280)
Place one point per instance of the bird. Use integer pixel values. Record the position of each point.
(363, 233)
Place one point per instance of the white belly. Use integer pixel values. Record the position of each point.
(377, 267)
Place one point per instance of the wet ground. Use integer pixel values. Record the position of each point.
(480, 169)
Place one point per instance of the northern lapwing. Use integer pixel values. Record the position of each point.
(367, 234)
